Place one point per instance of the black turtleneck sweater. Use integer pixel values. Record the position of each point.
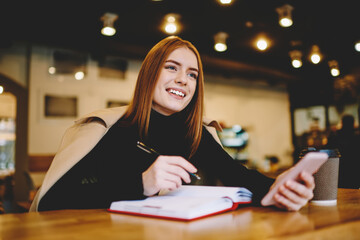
(112, 170)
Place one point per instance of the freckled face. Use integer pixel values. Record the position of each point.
(177, 82)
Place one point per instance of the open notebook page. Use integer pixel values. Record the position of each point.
(236, 194)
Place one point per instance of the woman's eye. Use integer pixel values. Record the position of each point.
(170, 67)
(193, 75)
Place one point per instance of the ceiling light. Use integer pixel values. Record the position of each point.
(334, 68)
(335, 72)
(285, 19)
(220, 41)
(171, 24)
(315, 55)
(249, 24)
(225, 2)
(170, 28)
(295, 56)
(108, 28)
(357, 46)
(262, 44)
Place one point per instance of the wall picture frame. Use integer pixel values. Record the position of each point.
(60, 106)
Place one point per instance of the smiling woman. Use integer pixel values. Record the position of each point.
(93, 167)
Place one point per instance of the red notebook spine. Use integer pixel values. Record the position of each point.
(233, 207)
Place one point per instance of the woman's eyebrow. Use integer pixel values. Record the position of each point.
(179, 64)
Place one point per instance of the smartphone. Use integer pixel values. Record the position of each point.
(311, 162)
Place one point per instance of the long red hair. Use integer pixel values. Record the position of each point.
(140, 106)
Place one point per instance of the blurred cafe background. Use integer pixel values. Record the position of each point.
(279, 75)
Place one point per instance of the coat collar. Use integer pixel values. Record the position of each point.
(108, 116)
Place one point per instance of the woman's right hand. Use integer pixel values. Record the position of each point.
(167, 172)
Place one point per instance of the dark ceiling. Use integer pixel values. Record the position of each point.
(332, 25)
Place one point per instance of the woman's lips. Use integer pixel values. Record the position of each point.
(176, 92)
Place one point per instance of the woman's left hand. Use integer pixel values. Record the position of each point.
(293, 195)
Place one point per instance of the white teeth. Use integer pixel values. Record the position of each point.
(177, 92)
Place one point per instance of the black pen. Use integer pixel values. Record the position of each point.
(149, 150)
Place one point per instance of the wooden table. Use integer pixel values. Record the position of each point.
(311, 222)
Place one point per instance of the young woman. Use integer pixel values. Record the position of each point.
(99, 162)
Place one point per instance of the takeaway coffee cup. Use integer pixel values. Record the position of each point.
(326, 179)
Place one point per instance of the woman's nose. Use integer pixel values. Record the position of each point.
(181, 78)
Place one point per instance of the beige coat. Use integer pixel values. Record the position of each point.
(81, 137)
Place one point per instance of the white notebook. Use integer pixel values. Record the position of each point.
(189, 202)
